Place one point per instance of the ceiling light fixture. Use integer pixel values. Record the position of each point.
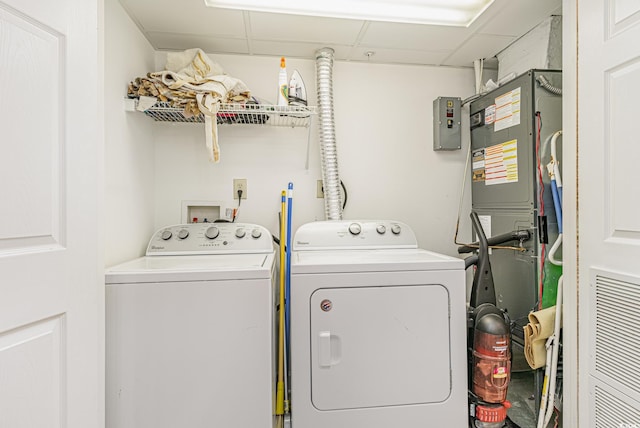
(437, 12)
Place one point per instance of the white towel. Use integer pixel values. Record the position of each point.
(193, 63)
(223, 87)
(145, 103)
(192, 74)
(209, 108)
(536, 333)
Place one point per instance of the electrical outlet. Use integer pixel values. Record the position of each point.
(319, 189)
(240, 184)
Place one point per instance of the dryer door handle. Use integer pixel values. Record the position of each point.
(324, 348)
(328, 349)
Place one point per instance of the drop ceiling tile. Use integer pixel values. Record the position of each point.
(177, 42)
(185, 16)
(183, 24)
(413, 36)
(283, 27)
(399, 56)
(296, 50)
(479, 46)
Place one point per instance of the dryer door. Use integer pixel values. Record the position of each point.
(379, 346)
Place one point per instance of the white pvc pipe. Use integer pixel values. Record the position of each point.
(553, 343)
(554, 159)
(554, 355)
(478, 66)
(545, 384)
(552, 252)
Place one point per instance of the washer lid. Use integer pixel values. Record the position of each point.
(192, 268)
(372, 261)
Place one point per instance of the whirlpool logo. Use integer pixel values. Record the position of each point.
(155, 247)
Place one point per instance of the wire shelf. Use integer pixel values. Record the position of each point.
(234, 114)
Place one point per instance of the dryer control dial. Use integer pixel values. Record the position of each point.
(240, 233)
(183, 233)
(355, 229)
(166, 235)
(256, 233)
(212, 232)
(353, 234)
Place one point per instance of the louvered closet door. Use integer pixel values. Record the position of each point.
(51, 340)
(609, 212)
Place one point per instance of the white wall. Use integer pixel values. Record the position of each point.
(129, 145)
(384, 137)
(384, 125)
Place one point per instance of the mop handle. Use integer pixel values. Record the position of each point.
(288, 264)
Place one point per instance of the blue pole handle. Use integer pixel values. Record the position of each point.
(556, 204)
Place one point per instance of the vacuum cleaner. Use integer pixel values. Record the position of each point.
(488, 337)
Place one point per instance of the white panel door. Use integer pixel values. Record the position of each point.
(51, 299)
(608, 215)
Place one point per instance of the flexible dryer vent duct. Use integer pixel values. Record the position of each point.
(328, 151)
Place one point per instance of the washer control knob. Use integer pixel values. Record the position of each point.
(240, 232)
(256, 233)
(381, 229)
(395, 228)
(212, 232)
(355, 229)
(183, 233)
(166, 235)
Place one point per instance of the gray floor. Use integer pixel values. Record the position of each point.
(521, 393)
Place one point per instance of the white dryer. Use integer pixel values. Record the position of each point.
(190, 330)
(378, 329)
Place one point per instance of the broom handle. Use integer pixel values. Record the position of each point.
(280, 386)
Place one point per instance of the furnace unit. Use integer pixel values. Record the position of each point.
(511, 129)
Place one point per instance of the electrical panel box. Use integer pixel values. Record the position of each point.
(511, 129)
(446, 123)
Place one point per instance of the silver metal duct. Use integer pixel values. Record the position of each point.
(328, 150)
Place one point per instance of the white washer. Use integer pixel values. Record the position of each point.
(378, 329)
(190, 330)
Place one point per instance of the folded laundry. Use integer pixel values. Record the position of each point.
(193, 63)
(193, 82)
(536, 333)
(223, 86)
(145, 103)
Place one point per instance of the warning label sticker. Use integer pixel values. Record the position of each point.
(501, 163)
(477, 166)
(490, 114)
(507, 110)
